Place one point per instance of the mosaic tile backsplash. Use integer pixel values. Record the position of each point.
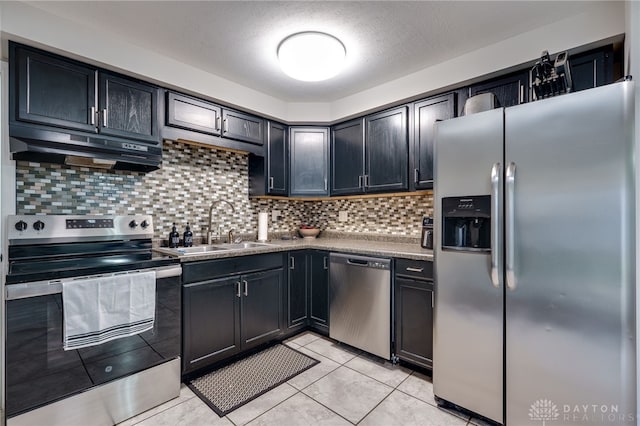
(183, 189)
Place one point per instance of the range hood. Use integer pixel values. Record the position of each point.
(30, 143)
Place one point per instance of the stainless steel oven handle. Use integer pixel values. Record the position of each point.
(43, 288)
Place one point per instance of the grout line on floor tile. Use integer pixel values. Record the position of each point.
(159, 412)
(366, 375)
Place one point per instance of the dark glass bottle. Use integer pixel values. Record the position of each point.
(174, 237)
(187, 237)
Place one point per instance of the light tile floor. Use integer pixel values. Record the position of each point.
(347, 387)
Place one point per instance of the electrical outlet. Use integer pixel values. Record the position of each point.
(343, 216)
(275, 215)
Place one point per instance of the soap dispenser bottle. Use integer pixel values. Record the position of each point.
(174, 237)
(187, 237)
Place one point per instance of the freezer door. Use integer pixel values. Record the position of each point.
(570, 331)
(468, 318)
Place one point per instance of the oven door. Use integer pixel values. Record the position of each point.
(39, 371)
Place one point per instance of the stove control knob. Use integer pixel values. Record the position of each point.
(21, 226)
(144, 224)
(38, 226)
(133, 224)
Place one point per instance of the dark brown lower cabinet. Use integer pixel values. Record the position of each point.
(307, 295)
(228, 315)
(414, 300)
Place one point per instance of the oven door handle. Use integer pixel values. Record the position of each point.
(44, 288)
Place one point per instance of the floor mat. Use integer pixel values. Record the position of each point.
(234, 385)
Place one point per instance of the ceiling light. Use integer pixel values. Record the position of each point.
(311, 56)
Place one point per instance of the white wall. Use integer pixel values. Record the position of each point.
(606, 21)
(23, 22)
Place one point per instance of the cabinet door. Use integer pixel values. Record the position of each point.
(387, 151)
(510, 90)
(347, 158)
(211, 316)
(309, 161)
(426, 114)
(261, 307)
(193, 114)
(128, 109)
(296, 300)
(592, 69)
(242, 127)
(318, 276)
(55, 92)
(277, 159)
(414, 321)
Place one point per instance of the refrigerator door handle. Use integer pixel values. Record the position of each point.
(496, 174)
(510, 178)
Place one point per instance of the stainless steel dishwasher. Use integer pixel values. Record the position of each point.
(360, 302)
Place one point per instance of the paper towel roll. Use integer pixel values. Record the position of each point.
(263, 221)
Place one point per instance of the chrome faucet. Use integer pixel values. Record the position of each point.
(210, 232)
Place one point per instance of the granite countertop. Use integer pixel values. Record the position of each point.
(345, 245)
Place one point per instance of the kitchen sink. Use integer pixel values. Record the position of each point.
(187, 251)
(240, 246)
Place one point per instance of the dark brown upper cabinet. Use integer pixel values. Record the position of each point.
(387, 151)
(128, 109)
(347, 158)
(201, 117)
(510, 90)
(63, 93)
(426, 113)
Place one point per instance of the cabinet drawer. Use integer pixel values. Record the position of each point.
(209, 269)
(419, 269)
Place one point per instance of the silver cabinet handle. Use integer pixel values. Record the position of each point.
(325, 184)
(218, 123)
(416, 175)
(271, 182)
(324, 262)
(496, 173)
(104, 118)
(432, 304)
(238, 289)
(415, 269)
(510, 225)
(521, 93)
(226, 126)
(292, 262)
(246, 287)
(366, 180)
(92, 116)
(360, 183)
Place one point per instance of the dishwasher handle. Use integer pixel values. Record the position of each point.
(360, 261)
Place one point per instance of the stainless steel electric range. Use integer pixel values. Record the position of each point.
(102, 384)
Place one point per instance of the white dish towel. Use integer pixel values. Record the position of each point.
(101, 309)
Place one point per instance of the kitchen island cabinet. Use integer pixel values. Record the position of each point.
(230, 305)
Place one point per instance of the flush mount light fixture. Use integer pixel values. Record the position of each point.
(311, 56)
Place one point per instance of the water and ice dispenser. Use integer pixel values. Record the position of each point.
(466, 223)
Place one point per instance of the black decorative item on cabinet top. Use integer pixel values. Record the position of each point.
(65, 111)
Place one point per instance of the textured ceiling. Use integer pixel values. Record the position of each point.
(385, 40)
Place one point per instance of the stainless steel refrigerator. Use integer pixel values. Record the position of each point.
(535, 261)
